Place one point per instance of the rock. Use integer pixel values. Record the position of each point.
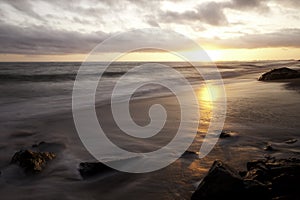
(221, 182)
(225, 134)
(268, 178)
(256, 190)
(258, 174)
(280, 73)
(282, 174)
(90, 169)
(190, 154)
(291, 141)
(31, 161)
(269, 147)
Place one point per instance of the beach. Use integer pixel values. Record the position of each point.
(258, 114)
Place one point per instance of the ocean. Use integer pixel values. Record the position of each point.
(37, 88)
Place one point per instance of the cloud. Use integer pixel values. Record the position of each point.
(209, 13)
(289, 3)
(245, 5)
(67, 27)
(280, 38)
(42, 40)
(24, 7)
(39, 40)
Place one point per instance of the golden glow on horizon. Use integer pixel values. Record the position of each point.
(214, 54)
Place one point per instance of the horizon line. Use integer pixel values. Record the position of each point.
(68, 61)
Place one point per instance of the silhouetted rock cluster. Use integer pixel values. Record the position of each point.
(264, 179)
(280, 73)
(32, 161)
(89, 169)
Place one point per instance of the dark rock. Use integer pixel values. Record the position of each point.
(268, 178)
(90, 169)
(255, 190)
(258, 174)
(188, 154)
(269, 147)
(221, 182)
(225, 134)
(282, 174)
(242, 173)
(260, 164)
(286, 184)
(31, 161)
(291, 141)
(280, 73)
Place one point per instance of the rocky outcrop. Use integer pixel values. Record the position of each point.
(283, 175)
(31, 161)
(280, 73)
(90, 169)
(264, 179)
(224, 182)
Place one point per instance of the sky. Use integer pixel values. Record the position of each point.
(35, 30)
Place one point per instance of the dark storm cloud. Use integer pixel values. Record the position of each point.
(209, 13)
(280, 38)
(42, 40)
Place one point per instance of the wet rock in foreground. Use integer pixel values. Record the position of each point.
(31, 161)
(224, 182)
(280, 73)
(90, 169)
(264, 179)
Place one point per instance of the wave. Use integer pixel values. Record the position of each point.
(50, 77)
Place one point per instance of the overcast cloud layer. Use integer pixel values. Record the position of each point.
(67, 27)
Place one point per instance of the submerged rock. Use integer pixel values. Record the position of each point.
(280, 73)
(291, 141)
(224, 182)
(264, 179)
(225, 134)
(190, 154)
(269, 147)
(31, 161)
(89, 169)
